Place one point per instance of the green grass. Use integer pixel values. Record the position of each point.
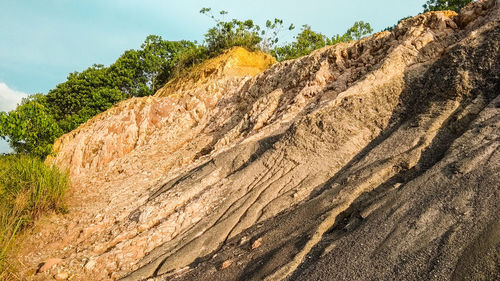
(28, 189)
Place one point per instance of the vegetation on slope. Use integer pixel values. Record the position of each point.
(28, 189)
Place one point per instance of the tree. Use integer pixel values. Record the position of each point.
(30, 129)
(135, 73)
(71, 96)
(226, 35)
(441, 5)
(153, 54)
(127, 74)
(271, 34)
(69, 99)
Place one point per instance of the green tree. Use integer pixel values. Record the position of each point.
(169, 55)
(142, 72)
(30, 129)
(226, 35)
(441, 5)
(271, 34)
(127, 74)
(153, 55)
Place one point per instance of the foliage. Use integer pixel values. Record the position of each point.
(30, 128)
(441, 5)
(308, 41)
(271, 34)
(82, 96)
(28, 189)
(233, 33)
(227, 34)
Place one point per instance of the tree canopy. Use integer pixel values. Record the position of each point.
(31, 128)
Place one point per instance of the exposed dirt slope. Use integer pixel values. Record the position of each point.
(376, 159)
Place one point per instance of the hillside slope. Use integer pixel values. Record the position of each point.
(375, 159)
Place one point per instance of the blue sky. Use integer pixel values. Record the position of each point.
(42, 41)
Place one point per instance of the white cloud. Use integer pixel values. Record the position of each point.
(9, 98)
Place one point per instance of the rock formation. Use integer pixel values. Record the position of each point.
(370, 160)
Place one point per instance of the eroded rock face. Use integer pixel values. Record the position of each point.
(174, 116)
(374, 159)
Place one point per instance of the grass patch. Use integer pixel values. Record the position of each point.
(28, 189)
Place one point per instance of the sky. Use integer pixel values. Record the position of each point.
(41, 42)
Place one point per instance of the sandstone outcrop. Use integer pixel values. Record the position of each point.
(374, 159)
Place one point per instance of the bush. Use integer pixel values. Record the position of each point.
(28, 189)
